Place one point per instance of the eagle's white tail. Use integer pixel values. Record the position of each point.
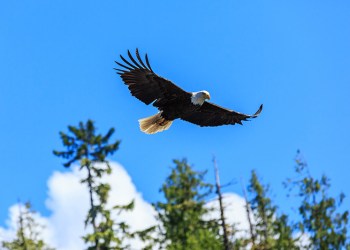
(154, 124)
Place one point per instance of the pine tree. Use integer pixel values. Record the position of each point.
(270, 230)
(28, 232)
(182, 214)
(84, 145)
(321, 221)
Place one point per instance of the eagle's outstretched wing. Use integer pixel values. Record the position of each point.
(143, 83)
(213, 115)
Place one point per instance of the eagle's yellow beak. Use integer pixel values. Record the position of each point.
(208, 96)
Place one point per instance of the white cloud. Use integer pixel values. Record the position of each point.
(68, 201)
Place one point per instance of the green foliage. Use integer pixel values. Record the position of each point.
(82, 144)
(270, 230)
(322, 222)
(284, 234)
(90, 149)
(28, 232)
(263, 211)
(182, 214)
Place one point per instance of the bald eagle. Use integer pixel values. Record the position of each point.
(172, 101)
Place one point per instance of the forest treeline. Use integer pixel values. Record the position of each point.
(185, 221)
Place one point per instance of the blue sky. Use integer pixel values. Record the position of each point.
(56, 70)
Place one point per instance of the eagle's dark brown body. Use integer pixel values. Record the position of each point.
(176, 107)
(172, 101)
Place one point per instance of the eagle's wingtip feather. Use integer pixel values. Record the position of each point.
(257, 113)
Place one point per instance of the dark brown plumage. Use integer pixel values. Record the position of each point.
(172, 101)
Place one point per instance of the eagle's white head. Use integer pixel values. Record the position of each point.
(199, 97)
